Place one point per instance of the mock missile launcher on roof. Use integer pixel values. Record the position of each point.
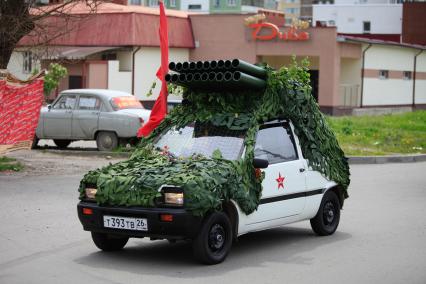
(217, 75)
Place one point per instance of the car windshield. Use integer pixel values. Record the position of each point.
(125, 102)
(202, 139)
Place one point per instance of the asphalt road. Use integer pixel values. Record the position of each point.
(381, 239)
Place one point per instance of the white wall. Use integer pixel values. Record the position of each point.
(119, 80)
(350, 81)
(205, 5)
(421, 83)
(16, 65)
(147, 62)
(389, 57)
(384, 18)
(339, 2)
(125, 59)
(388, 91)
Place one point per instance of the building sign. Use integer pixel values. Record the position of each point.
(265, 31)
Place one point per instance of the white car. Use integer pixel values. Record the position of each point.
(292, 192)
(107, 116)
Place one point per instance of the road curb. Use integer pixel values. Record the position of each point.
(82, 153)
(353, 160)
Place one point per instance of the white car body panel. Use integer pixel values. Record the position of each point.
(305, 186)
(142, 113)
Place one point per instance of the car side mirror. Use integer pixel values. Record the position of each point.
(49, 107)
(260, 163)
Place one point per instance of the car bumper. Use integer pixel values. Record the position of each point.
(183, 226)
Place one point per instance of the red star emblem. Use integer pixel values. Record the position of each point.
(280, 181)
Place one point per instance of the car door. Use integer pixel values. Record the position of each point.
(57, 121)
(86, 117)
(284, 184)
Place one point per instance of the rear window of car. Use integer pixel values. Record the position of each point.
(89, 103)
(126, 102)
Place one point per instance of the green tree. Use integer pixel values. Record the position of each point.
(51, 80)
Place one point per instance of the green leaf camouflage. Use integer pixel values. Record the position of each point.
(209, 182)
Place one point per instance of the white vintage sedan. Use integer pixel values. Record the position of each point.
(107, 116)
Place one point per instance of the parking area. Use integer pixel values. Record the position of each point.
(380, 238)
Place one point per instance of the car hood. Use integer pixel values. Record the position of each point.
(206, 182)
(143, 113)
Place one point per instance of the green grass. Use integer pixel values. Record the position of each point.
(10, 164)
(381, 135)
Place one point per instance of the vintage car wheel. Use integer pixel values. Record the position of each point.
(107, 242)
(214, 240)
(62, 143)
(327, 219)
(106, 141)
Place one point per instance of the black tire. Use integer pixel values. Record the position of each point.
(107, 242)
(62, 143)
(214, 240)
(106, 141)
(327, 219)
(34, 145)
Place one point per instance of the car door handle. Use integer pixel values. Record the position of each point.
(301, 170)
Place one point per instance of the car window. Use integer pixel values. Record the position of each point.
(275, 144)
(65, 102)
(89, 103)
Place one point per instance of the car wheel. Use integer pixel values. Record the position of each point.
(106, 141)
(62, 143)
(214, 240)
(327, 219)
(107, 242)
(34, 145)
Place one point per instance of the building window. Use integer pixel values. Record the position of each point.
(407, 75)
(216, 3)
(172, 3)
(194, 7)
(153, 3)
(383, 74)
(135, 2)
(28, 61)
(232, 3)
(366, 27)
(331, 23)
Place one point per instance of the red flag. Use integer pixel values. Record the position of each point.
(159, 110)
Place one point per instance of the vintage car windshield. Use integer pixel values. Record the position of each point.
(126, 102)
(202, 139)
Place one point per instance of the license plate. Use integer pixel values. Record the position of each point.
(125, 223)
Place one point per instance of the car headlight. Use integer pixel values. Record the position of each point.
(174, 198)
(91, 192)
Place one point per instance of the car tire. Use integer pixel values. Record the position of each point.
(107, 242)
(106, 141)
(62, 143)
(34, 144)
(214, 240)
(328, 216)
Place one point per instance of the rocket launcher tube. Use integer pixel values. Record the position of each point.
(178, 67)
(172, 66)
(248, 68)
(185, 66)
